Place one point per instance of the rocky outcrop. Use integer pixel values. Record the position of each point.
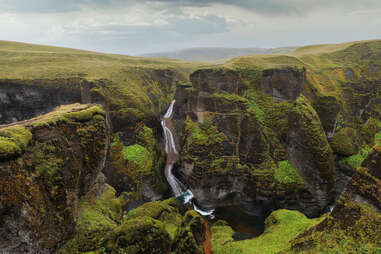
(25, 99)
(46, 165)
(283, 83)
(355, 223)
(328, 109)
(308, 150)
(243, 147)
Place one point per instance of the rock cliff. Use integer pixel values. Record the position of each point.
(244, 145)
(47, 164)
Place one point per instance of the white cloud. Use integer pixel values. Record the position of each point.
(135, 27)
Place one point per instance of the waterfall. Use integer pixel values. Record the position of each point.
(172, 155)
(179, 190)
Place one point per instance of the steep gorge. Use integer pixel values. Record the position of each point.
(256, 135)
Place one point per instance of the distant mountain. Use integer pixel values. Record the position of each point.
(215, 54)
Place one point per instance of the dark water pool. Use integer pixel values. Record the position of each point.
(245, 225)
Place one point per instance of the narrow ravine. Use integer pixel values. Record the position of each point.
(179, 189)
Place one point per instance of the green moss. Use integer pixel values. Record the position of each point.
(369, 130)
(287, 174)
(304, 120)
(251, 95)
(96, 220)
(355, 161)
(142, 235)
(138, 156)
(47, 164)
(355, 229)
(165, 211)
(222, 235)
(377, 137)
(205, 134)
(345, 142)
(85, 115)
(13, 141)
(142, 161)
(185, 241)
(281, 227)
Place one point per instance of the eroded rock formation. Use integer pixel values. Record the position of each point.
(47, 165)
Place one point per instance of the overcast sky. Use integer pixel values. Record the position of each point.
(137, 26)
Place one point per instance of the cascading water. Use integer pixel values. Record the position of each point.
(179, 190)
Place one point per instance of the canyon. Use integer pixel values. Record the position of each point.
(143, 155)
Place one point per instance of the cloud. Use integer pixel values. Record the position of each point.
(280, 7)
(141, 26)
(268, 7)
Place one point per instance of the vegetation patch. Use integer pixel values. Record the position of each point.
(355, 161)
(85, 115)
(251, 95)
(136, 154)
(205, 134)
(370, 130)
(287, 174)
(13, 141)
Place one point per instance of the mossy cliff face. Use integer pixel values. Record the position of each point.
(241, 122)
(354, 226)
(47, 164)
(243, 144)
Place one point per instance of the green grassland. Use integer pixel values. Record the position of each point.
(132, 82)
(29, 61)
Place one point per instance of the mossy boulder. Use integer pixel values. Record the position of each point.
(190, 235)
(345, 142)
(59, 160)
(141, 235)
(167, 211)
